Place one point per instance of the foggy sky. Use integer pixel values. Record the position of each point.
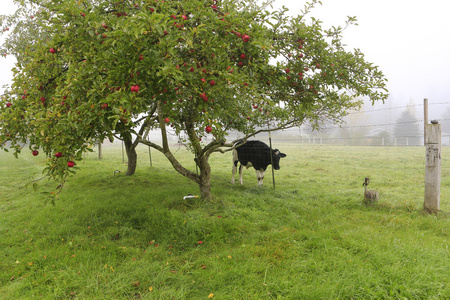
(407, 39)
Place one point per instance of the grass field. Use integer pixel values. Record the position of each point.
(117, 237)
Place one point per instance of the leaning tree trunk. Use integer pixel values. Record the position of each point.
(130, 148)
(204, 182)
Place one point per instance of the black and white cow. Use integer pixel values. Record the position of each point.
(255, 154)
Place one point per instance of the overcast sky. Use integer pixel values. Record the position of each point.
(407, 39)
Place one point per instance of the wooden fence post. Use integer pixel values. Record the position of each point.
(432, 137)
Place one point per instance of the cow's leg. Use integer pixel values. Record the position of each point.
(260, 176)
(234, 171)
(235, 162)
(241, 169)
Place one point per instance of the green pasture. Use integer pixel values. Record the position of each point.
(115, 237)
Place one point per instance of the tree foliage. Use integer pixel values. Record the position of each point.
(103, 69)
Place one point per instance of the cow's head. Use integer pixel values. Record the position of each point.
(276, 155)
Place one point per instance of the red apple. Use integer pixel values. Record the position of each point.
(204, 97)
(184, 17)
(52, 50)
(243, 56)
(70, 164)
(166, 120)
(208, 129)
(8, 104)
(191, 69)
(287, 71)
(203, 80)
(212, 83)
(35, 153)
(58, 154)
(42, 99)
(104, 106)
(245, 38)
(135, 88)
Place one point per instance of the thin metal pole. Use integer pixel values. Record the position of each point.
(425, 119)
(150, 155)
(123, 157)
(271, 160)
(100, 150)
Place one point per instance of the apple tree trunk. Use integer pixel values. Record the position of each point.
(204, 181)
(130, 148)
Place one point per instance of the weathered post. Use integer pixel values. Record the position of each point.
(432, 138)
(370, 197)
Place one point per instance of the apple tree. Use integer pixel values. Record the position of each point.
(106, 69)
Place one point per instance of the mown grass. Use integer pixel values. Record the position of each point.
(117, 237)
